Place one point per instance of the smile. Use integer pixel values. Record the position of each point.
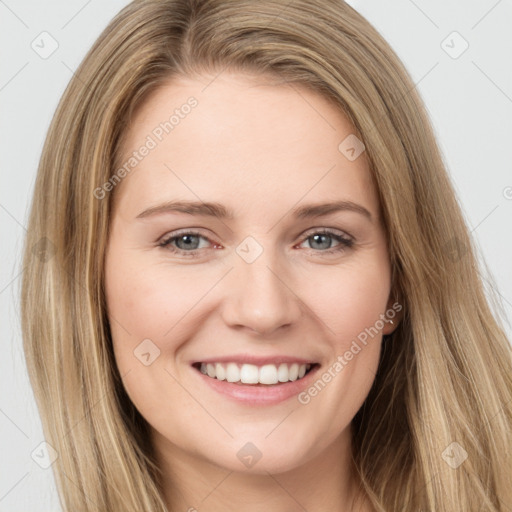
(268, 374)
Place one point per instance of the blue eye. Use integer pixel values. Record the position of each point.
(188, 243)
(324, 239)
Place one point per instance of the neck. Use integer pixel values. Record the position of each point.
(326, 482)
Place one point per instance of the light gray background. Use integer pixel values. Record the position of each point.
(469, 99)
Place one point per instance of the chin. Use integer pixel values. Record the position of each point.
(261, 457)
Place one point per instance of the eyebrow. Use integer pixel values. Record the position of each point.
(213, 209)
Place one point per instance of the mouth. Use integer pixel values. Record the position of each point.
(267, 375)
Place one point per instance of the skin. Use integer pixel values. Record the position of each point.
(261, 150)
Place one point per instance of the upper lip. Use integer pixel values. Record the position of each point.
(258, 361)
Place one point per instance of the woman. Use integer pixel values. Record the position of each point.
(196, 349)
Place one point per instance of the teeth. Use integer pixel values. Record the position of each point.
(220, 372)
(210, 370)
(294, 371)
(232, 373)
(283, 373)
(251, 374)
(268, 374)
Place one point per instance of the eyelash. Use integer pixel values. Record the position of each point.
(344, 243)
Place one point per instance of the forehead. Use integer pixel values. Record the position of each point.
(242, 137)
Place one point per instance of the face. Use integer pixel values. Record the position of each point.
(256, 281)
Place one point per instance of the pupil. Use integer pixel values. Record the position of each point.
(326, 243)
(188, 242)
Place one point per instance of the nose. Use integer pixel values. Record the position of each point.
(259, 296)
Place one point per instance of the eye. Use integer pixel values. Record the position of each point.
(321, 241)
(186, 243)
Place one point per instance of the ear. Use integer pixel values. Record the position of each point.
(393, 315)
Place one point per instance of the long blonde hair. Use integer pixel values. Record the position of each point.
(445, 374)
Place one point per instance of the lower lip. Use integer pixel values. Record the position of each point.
(262, 394)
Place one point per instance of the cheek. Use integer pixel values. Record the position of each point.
(141, 310)
(148, 301)
(352, 299)
(350, 305)
(148, 314)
